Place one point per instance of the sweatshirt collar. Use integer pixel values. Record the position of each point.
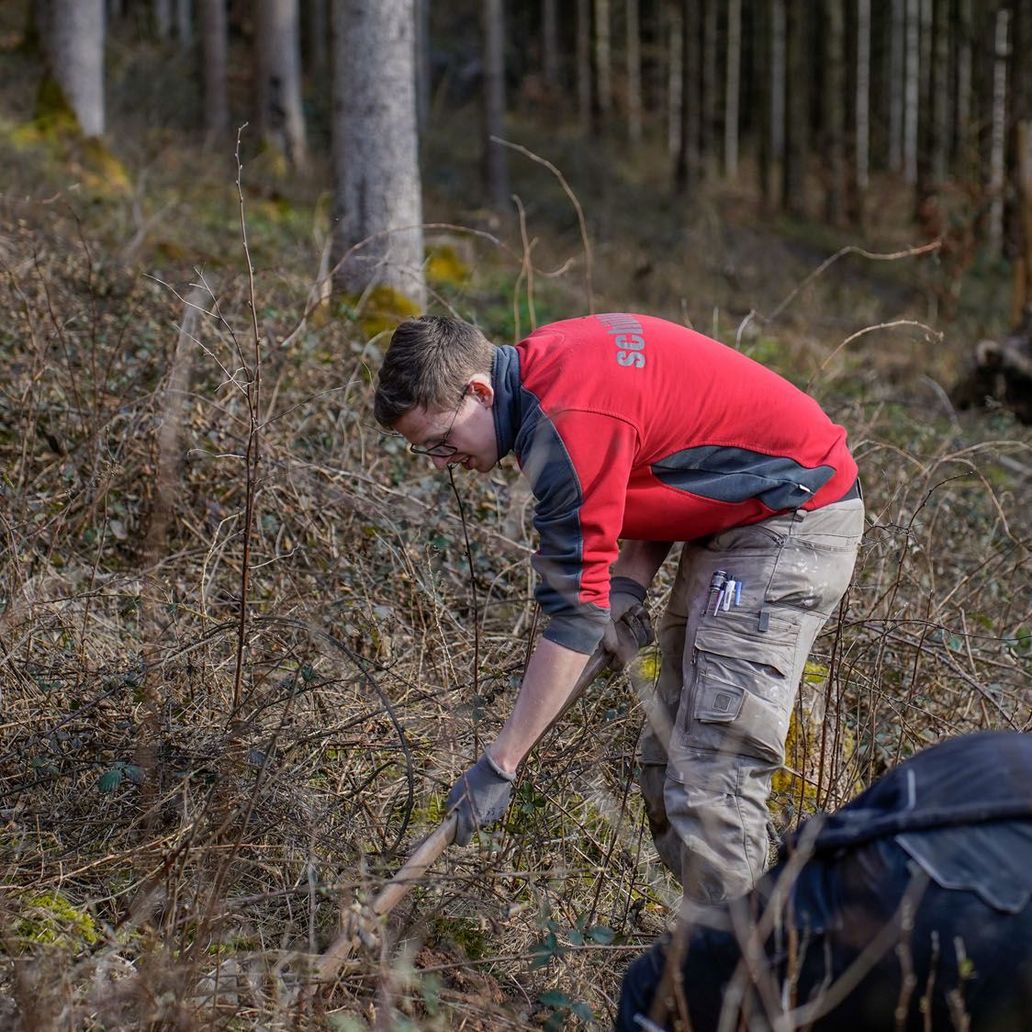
(508, 413)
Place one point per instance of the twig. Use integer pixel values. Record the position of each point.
(581, 222)
(253, 457)
(473, 592)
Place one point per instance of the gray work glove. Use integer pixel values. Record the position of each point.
(629, 628)
(479, 797)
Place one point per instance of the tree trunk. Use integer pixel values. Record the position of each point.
(1023, 273)
(863, 103)
(584, 65)
(708, 100)
(897, 83)
(964, 129)
(675, 76)
(734, 60)
(798, 108)
(834, 112)
(940, 94)
(378, 236)
(424, 78)
(910, 93)
(1021, 66)
(687, 170)
(550, 43)
(72, 33)
(278, 79)
(999, 133)
(184, 23)
(633, 73)
(776, 170)
(215, 43)
(318, 25)
(603, 59)
(495, 157)
(163, 19)
(924, 102)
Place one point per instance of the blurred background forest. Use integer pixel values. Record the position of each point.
(247, 642)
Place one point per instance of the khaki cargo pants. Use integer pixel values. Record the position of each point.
(719, 714)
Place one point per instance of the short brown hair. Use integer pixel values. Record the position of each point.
(428, 363)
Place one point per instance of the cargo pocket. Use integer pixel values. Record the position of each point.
(744, 685)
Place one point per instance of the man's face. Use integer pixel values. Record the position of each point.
(468, 428)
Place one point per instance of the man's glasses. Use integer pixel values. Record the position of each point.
(442, 449)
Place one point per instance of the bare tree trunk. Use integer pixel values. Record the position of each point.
(940, 94)
(1023, 272)
(834, 112)
(798, 108)
(688, 167)
(603, 58)
(633, 72)
(584, 65)
(964, 130)
(550, 43)
(999, 133)
(776, 171)
(215, 42)
(897, 83)
(675, 76)
(910, 94)
(163, 19)
(863, 102)
(378, 236)
(424, 86)
(184, 23)
(924, 102)
(1021, 66)
(495, 157)
(731, 91)
(278, 79)
(72, 33)
(318, 23)
(708, 106)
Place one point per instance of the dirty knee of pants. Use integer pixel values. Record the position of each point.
(718, 807)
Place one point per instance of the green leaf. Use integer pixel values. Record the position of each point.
(583, 1011)
(111, 779)
(135, 774)
(601, 934)
(554, 998)
(544, 951)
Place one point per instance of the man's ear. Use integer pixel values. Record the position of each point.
(481, 389)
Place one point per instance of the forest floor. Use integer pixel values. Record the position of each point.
(201, 768)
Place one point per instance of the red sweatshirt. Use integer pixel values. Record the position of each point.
(632, 427)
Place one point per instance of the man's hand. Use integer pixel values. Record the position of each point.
(629, 628)
(479, 797)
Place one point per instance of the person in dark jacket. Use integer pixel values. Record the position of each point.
(908, 909)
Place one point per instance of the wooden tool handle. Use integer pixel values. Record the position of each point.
(392, 893)
(415, 867)
(434, 845)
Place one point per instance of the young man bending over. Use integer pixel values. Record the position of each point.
(635, 434)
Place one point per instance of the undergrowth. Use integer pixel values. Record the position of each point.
(199, 780)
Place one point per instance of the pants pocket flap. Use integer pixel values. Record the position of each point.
(719, 703)
(738, 634)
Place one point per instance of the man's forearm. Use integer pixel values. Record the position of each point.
(551, 675)
(640, 560)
